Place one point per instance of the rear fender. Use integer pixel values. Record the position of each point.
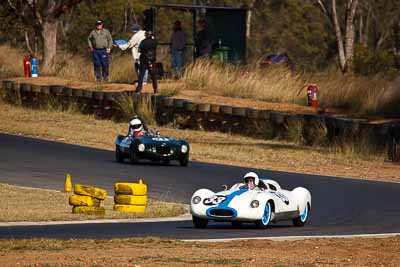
(302, 196)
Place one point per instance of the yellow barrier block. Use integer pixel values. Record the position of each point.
(129, 208)
(77, 200)
(89, 210)
(135, 189)
(68, 183)
(90, 191)
(130, 200)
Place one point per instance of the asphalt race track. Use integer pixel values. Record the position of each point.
(339, 206)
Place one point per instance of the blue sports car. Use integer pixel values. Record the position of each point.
(153, 147)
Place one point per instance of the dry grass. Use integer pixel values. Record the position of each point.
(205, 146)
(144, 108)
(360, 96)
(158, 252)
(227, 80)
(80, 68)
(29, 204)
(11, 62)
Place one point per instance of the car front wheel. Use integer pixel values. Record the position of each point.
(266, 218)
(133, 155)
(118, 155)
(184, 161)
(200, 222)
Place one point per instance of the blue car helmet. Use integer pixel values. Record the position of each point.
(251, 176)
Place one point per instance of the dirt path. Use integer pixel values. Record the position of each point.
(156, 252)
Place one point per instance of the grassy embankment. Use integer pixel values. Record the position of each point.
(356, 95)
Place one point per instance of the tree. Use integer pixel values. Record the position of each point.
(345, 46)
(45, 15)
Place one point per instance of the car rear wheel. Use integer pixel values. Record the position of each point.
(266, 218)
(302, 219)
(200, 222)
(118, 155)
(184, 161)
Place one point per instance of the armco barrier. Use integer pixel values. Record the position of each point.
(313, 128)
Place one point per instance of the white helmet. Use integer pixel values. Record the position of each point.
(252, 175)
(136, 125)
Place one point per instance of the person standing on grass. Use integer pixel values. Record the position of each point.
(100, 43)
(178, 45)
(147, 60)
(137, 37)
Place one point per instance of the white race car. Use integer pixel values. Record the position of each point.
(264, 204)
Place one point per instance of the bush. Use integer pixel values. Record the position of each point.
(370, 62)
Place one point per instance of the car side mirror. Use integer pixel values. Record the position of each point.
(225, 187)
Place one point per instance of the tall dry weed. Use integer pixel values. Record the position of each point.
(276, 84)
(142, 107)
(11, 64)
(76, 67)
(122, 69)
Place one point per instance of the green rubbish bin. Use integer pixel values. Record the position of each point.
(221, 53)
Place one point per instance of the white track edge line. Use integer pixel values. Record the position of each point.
(293, 238)
(184, 217)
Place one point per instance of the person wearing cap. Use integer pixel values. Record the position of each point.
(100, 43)
(137, 37)
(147, 59)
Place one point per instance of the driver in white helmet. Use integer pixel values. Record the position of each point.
(136, 128)
(251, 181)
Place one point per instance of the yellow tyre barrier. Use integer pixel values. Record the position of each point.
(77, 200)
(90, 191)
(89, 210)
(130, 200)
(136, 189)
(129, 208)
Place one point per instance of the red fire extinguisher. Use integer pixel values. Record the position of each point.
(312, 95)
(27, 66)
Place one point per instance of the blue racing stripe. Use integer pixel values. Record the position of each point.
(226, 202)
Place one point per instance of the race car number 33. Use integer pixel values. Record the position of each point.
(215, 200)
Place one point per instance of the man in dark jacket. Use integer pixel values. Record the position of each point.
(203, 40)
(100, 43)
(147, 59)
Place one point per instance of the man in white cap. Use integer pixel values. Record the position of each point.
(137, 37)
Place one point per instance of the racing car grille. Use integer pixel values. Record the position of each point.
(163, 149)
(221, 213)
